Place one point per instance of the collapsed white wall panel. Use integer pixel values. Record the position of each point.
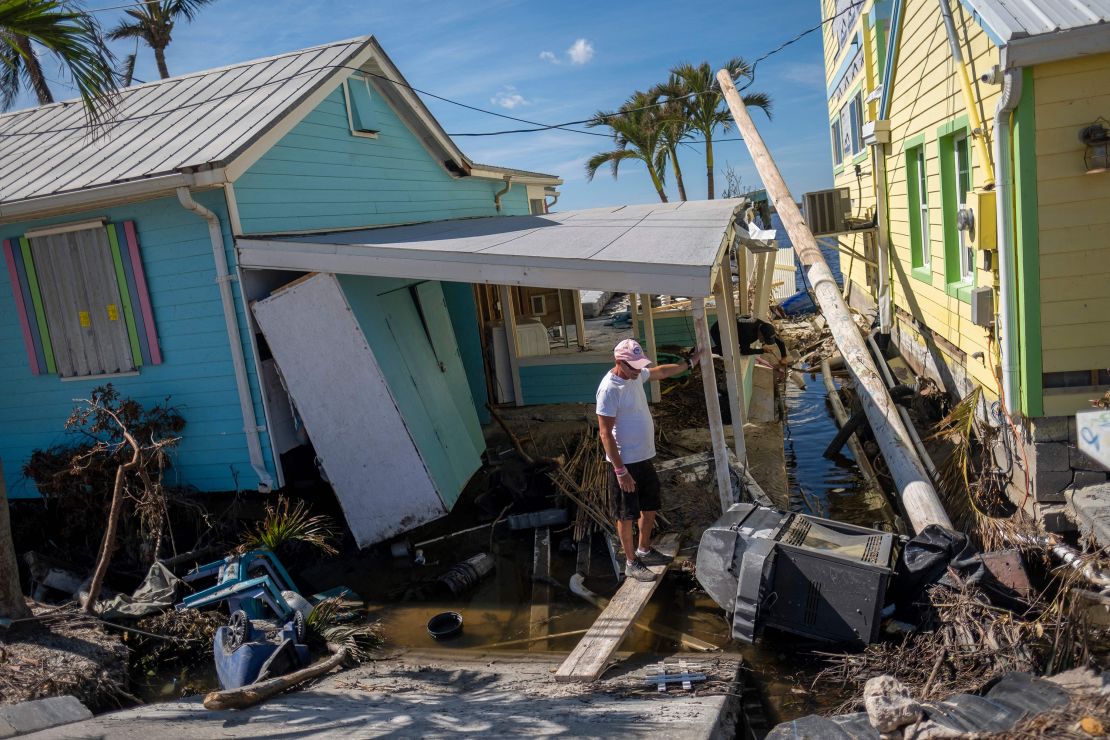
(348, 410)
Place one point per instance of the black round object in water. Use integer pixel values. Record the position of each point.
(445, 625)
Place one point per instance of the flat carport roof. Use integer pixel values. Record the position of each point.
(671, 248)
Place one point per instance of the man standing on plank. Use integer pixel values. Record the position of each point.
(628, 436)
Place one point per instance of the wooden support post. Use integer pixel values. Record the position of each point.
(768, 286)
(562, 295)
(652, 350)
(713, 407)
(760, 284)
(730, 348)
(742, 275)
(540, 613)
(580, 322)
(634, 315)
(512, 341)
(919, 498)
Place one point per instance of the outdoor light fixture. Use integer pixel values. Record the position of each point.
(1096, 137)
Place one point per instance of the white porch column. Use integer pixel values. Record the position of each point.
(712, 407)
(579, 321)
(742, 276)
(726, 322)
(512, 340)
(649, 337)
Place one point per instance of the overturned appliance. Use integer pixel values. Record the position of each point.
(245, 654)
(814, 577)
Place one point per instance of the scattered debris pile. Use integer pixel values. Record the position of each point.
(62, 651)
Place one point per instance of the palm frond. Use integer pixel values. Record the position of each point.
(612, 158)
(285, 524)
(74, 37)
(331, 621)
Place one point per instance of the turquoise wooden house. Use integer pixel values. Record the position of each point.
(295, 253)
(120, 265)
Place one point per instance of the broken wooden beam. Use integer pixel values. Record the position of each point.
(920, 500)
(591, 656)
(540, 613)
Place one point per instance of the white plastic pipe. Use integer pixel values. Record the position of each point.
(238, 362)
(1004, 214)
(919, 498)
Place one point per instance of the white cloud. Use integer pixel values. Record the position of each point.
(549, 56)
(580, 52)
(508, 97)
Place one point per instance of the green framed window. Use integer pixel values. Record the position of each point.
(956, 184)
(837, 150)
(917, 192)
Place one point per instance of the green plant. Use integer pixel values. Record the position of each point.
(285, 524)
(153, 22)
(638, 133)
(331, 621)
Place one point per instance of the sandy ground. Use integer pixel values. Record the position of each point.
(451, 694)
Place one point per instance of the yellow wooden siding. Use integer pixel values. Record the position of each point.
(1074, 216)
(926, 94)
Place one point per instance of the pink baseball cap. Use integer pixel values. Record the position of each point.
(630, 351)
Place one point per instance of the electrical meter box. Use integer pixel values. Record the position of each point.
(814, 577)
(984, 233)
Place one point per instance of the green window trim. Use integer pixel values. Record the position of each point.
(920, 268)
(955, 284)
(1027, 238)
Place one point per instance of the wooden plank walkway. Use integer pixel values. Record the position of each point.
(591, 656)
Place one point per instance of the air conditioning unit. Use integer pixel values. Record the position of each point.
(827, 211)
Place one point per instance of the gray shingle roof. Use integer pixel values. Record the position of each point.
(192, 121)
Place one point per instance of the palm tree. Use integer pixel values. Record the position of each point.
(153, 23)
(638, 134)
(70, 35)
(676, 125)
(703, 103)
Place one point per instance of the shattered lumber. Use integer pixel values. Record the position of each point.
(854, 445)
(919, 498)
(248, 696)
(540, 613)
(588, 660)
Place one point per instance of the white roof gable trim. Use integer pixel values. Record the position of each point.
(197, 130)
(668, 248)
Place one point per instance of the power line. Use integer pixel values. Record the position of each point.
(565, 126)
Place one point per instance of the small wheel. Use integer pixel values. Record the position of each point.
(299, 626)
(238, 630)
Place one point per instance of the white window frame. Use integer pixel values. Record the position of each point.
(347, 104)
(542, 308)
(923, 209)
(961, 145)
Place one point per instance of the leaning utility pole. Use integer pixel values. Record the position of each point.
(919, 499)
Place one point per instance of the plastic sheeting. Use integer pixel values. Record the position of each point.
(155, 594)
(1011, 698)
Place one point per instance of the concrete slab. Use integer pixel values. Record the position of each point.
(41, 714)
(453, 694)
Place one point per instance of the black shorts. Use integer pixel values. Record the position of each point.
(627, 505)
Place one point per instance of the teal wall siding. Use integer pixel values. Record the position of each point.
(675, 330)
(464, 319)
(562, 383)
(319, 176)
(196, 374)
(429, 385)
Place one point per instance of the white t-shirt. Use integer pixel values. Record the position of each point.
(626, 401)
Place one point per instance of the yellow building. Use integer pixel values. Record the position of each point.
(972, 137)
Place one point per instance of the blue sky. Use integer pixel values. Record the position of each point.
(544, 61)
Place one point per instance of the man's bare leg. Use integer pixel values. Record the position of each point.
(624, 531)
(647, 525)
